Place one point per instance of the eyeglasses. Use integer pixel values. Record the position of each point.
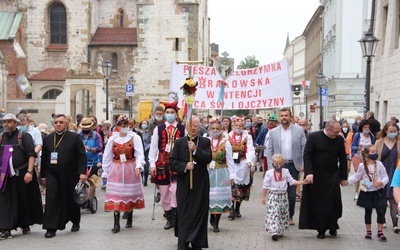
(335, 132)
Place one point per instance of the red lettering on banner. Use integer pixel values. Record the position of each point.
(199, 104)
(200, 70)
(202, 84)
(210, 84)
(210, 94)
(273, 67)
(243, 94)
(259, 104)
(234, 84)
(216, 105)
(243, 83)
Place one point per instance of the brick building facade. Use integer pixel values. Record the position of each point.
(142, 39)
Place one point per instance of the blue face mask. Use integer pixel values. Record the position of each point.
(277, 167)
(22, 128)
(170, 118)
(247, 124)
(392, 135)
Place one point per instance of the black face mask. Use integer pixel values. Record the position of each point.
(86, 131)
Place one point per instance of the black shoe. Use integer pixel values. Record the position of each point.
(26, 230)
(321, 236)
(50, 233)
(195, 248)
(145, 184)
(333, 232)
(125, 215)
(5, 234)
(170, 220)
(237, 214)
(75, 227)
(129, 220)
(231, 215)
(275, 237)
(116, 227)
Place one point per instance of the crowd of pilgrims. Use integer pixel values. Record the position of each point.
(163, 150)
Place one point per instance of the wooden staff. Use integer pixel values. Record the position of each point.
(189, 110)
(190, 157)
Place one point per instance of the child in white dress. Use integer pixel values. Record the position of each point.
(374, 178)
(275, 185)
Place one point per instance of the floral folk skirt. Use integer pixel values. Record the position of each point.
(277, 212)
(241, 192)
(124, 189)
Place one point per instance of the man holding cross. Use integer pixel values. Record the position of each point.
(193, 203)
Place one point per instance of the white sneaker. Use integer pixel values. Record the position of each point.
(356, 196)
(396, 230)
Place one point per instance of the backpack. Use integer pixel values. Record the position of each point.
(20, 133)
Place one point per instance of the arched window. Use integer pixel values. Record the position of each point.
(51, 94)
(114, 61)
(126, 104)
(58, 24)
(121, 18)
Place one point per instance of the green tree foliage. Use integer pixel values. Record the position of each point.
(248, 63)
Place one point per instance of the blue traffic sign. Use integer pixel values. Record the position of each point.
(129, 89)
(323, 91)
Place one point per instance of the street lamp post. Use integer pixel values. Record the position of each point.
(306, 90)
(320, 82)
(368, 43)
(106, 67)
(132, 81)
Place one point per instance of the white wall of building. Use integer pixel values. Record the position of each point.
(344, 23)
(385, 73)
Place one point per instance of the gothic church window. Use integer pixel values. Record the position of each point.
(51, 94)
(121, 18)
(58, 24)
(114, 61)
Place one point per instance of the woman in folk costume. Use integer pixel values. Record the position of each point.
(220, 186)
(240, 156)
(123, 162)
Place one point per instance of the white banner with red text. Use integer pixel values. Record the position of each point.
(263, 87)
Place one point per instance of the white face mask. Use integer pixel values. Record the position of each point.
(124, 131)
(345, 130)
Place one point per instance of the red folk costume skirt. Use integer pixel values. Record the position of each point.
(124, 189)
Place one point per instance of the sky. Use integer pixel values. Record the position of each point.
(258, 27)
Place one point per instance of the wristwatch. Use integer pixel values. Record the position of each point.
(31, 171)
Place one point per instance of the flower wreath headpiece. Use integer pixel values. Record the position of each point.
(122, 118)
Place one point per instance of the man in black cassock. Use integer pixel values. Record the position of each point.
(321, 204)
(20, 198)
(193, 205)
(63, 165)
